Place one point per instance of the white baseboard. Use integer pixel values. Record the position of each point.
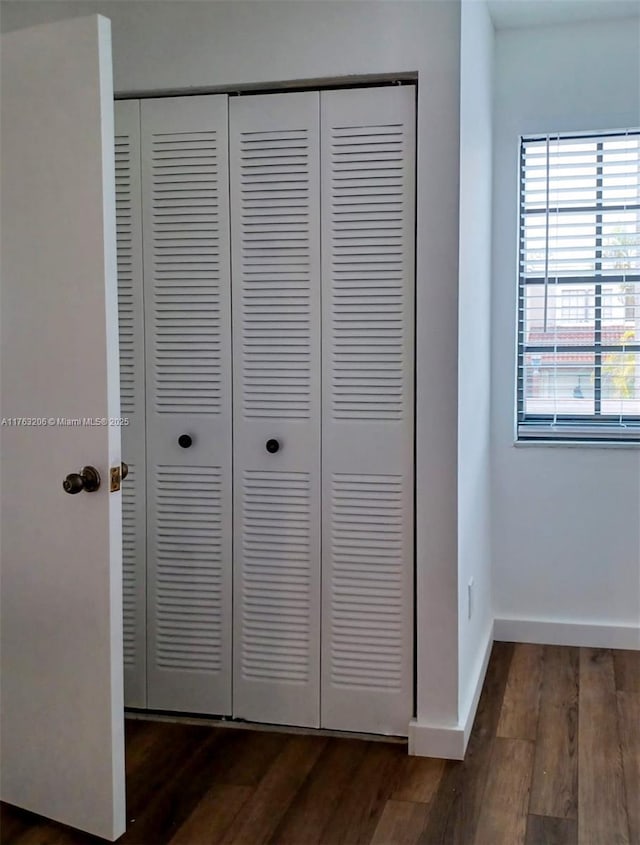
(436, 741)
(587, 635)
(450, 741)
(470, 715)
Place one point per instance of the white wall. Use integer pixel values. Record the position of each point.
(177, 45)
(474, 348)
(566, 521)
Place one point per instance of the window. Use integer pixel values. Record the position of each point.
(574, 305)
(579, 288)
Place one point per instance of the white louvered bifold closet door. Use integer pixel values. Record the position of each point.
(188, 349)
(132, 392)
(274, 165)
(368, 153)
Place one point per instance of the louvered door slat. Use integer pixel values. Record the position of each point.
(187, 302)
(274, 149)
(132, 395)
(367, 419)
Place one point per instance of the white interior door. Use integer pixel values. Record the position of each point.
(61, 698)
(275, 206)
(368, 200)
(185, 198)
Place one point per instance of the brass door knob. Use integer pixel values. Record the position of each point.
(87, 479)
(73, 483)
(124, 470)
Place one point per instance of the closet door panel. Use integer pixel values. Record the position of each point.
(368, 152)
(188, 319)
(274, 149)
(132, 396)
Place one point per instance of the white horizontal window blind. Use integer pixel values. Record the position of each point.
(579, 287)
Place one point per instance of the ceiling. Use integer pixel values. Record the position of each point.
(508, 14)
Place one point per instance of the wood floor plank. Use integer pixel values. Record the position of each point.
(276, 791)
(554, 787)
(220, 755)
(627, 670)
(132, 727)
(401, 823)
(13, 823)
(49, 833)
(503, 819)
(519, 714)
(419, 779)
(456, 805)
(248, 755)
(140, 734)
(545, 830)
(161, 749)
(42, 831)
(213, 815)
(321, 793)
(629, 727)
(164, 810)
(142, 739)
(357, 814)
(200, 785)
(602, 811)
(42, 834)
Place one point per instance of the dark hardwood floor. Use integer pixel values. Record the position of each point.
(554, 759)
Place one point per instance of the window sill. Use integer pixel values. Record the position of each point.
(577, 444)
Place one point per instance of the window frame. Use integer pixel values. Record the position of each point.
(574, 430)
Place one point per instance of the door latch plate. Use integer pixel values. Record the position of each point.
(115, 473)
